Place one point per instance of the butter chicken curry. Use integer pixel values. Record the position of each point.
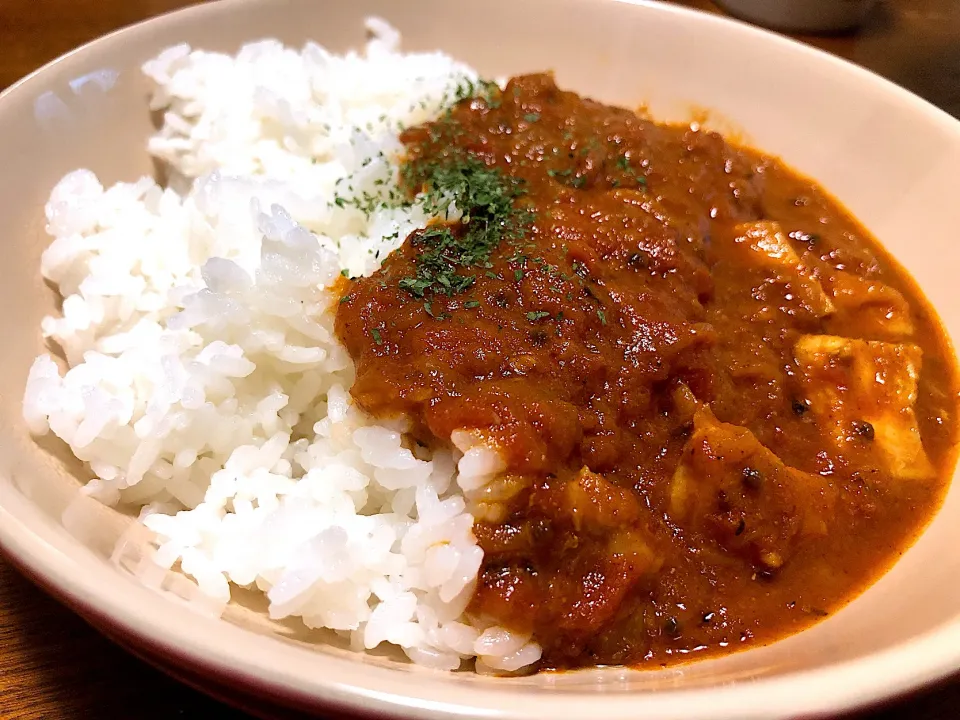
(721, 409)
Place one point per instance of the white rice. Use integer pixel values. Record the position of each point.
(204, 383)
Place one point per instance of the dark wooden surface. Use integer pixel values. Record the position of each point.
(52, 665)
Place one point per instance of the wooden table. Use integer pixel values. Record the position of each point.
(51, 664)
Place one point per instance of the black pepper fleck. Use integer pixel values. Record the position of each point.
(672, 627)
(752, 478)
(864, 430)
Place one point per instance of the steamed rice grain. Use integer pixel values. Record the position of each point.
(204, 383)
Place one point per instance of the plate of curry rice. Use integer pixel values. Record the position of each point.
(368, 360)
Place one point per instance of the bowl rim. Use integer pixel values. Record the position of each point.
(334, 683)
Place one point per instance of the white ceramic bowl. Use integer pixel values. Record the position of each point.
(893, 159)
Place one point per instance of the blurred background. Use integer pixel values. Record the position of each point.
(915, 43)
(53, 666)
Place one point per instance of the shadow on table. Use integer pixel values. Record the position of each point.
(50, 658)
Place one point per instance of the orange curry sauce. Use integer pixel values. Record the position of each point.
(708, 382)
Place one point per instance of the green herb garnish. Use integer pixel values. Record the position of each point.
(485, 197)
(537, 315)
(623, 163)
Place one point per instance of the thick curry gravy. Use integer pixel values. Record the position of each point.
(666, 343)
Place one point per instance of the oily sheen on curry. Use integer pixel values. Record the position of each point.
(721, 410)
